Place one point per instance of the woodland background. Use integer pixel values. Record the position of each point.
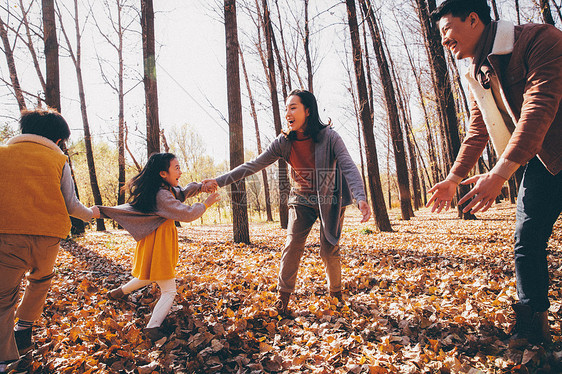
(395, 95)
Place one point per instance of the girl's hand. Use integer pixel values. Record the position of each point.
(96, 212)
(211, 199)
(365, 210)
(209, 185)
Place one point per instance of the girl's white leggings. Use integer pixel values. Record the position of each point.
(164, 304)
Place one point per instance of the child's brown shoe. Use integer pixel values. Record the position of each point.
(116, 294)
(154, 333)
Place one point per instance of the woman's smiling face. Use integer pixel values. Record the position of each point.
(296, 114)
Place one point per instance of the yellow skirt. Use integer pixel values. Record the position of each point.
(156, 255)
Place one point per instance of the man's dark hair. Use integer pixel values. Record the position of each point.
(44, 122)
(462, 8)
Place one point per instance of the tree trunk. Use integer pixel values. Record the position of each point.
(432, 153)
(412, 160)
(258, 140)
(282, 165)
(408, 134)
(78, 226)
(424, 191)
(518, 13)
(121, 95)
(359, 144)
(481, 166)
(238, 189)
(30, 46)
(457, 78)
(492, 159)
(77, 60)
(52, 84)
(286, 59)
(280, 64)
(138, 167)
(150, 86)
(443, 91)
(11, 66)
(557, 9)
(393, 117)
(100, 223)
(512, 190)
(52, 94)
(368, 71)
(545, 12)
(307, 48)
(377, 198)
(417, 152)
(388, 175)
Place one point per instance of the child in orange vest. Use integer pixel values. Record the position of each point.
(37, 196)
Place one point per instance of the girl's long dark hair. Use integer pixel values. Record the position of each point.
(144, 186)
(313, 124)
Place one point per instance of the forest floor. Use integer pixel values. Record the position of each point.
(433, 296)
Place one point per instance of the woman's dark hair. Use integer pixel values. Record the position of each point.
(44, 122)
(145, 185)
(462, 8)
(313, 123)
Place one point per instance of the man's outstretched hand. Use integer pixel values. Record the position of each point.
(486, 188)
(443, 193)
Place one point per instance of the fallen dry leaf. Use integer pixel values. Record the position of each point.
(433, 296)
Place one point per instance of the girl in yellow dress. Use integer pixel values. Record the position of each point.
(156, 202)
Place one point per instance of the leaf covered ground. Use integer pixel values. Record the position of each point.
(432, 297)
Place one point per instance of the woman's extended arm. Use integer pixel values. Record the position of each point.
(273, 153)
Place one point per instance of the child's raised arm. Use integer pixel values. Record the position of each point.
(171, 208)
(190, 190)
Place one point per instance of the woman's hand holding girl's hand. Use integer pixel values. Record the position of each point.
(212, 198)
(96, 212)
(209, 185)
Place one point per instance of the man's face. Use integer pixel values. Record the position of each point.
(460, 37)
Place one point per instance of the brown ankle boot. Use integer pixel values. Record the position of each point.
(530, 325)
(116, 294)
(282, 303)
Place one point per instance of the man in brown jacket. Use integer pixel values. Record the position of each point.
(515, 82)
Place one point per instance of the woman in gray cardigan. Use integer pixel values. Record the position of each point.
(324, 180)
